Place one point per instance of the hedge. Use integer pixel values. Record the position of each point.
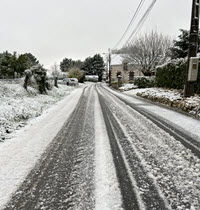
(172, 75)
(144, 82)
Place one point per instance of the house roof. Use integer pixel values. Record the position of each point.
(117, 59)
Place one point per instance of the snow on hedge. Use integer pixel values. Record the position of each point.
(173, 98)
(18, 105)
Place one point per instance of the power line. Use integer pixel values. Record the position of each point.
(131, 22)
(139, 25)
(141, 22)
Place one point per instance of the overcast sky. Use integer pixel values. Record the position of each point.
(54, 29)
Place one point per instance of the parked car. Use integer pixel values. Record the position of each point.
(70, 81)
(74, 81)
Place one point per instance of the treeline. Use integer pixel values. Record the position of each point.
(91, 66)
(13, 65)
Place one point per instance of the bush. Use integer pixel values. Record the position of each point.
(114, 85)
(144, 82)
(172, 75)
(75, 73)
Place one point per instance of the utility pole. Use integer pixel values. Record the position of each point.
(193, 61)
(109, 66)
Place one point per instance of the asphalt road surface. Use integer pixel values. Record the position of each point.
(155, 163)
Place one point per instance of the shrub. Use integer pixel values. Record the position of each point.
(144, 82)
(75, 73)
(114, 85)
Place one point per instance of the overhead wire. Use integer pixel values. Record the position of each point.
(141, 22)
(139, 25)
(131, 22)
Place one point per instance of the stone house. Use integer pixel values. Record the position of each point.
(120, 66)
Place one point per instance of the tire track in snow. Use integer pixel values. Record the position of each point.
(185, 139)
(107, 191)
(130, 172)
(173, 167)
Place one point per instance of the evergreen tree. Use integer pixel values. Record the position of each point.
(5, 68)
(94, 66)
(23, 63)
(99, 66)
(87, 66)
(14, 64)
(31, 59)
(181, 46)
(77, 64)
(66, 64)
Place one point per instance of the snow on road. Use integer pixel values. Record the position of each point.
(107, 192)
(21, 153)
(182, 122)
(174, 167)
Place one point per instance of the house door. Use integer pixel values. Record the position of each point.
(131, 75)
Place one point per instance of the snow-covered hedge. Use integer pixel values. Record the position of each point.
(18, 105)
(173, 98)
(144, 82)
(172, 75)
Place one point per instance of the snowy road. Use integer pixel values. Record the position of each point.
(112, 153)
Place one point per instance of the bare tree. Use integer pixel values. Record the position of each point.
(55, 69)
(147, 51)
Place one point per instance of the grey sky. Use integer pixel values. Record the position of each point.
(54, 29)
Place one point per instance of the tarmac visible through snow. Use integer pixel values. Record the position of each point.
(110, 151)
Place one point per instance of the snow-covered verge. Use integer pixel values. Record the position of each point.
(173, 98)
(20, 154)
(17, 105)
(126, 87)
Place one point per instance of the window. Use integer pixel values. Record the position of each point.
(125, 66)
(131, 75)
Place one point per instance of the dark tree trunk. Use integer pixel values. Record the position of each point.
(56, 82)
(26, 81)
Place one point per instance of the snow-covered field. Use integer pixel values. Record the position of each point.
(17, 105)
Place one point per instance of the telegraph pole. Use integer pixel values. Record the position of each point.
(109, 66)
(193, 61)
